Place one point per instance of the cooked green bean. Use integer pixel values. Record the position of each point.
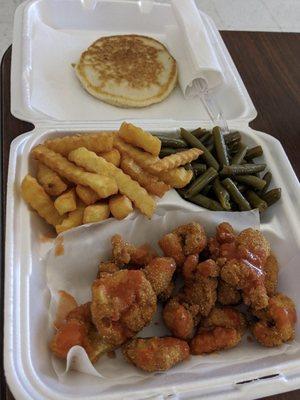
(206, 189)
(251, 180)
(236, 195)
(181, 193)
(253, 163)
(256, 151)
(242, 188)
(166, 151)
(232, 137)
(256, 201)
(210, 146)
(220, 146)
(175, 143)
(206, 202)
(199, 132)
(205, 137)
(194, 142)
(245, 169)
(239, 155)
(199, 168)
(267, 178)
(233, 148)
(209, 143)
(188, 167)
(222, 194)
(272, 196)
(201, 182)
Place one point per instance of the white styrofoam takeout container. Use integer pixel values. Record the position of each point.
(27, 359)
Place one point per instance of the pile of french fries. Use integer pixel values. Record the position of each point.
(89, 177)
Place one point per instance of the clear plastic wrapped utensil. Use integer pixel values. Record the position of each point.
(199, 88)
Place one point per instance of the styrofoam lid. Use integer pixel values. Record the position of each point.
(45, 89)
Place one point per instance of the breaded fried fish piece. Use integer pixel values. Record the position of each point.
(156, 354)
(222, 329)
(159, 273)
(122, 304)
(79, 330)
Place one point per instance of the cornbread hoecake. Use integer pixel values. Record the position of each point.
(127, 70)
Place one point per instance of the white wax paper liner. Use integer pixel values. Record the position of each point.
(75, 270)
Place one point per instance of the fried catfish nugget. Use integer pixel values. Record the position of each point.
(172, 247)
(66, 303)
(200, 285)
(167, 293)
(249, 279)
(185, 240)
(107, 267)
(222, 329)
(159, 273)
(243, 262)
(271, 274)
(122, 304)
(156, 354)
(214, 340)
(124, 253)
(68, 335)
(227, 294)
(225, 233)
(180, 318)
(276, 323)
(78, 330)
(226, 317)
(253, 246)
(193, 238)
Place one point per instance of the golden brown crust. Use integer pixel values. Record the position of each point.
(156, 353)
(130, 60)
(216, 339)
(159, 273)
(227, 294)
(271, 274)
(122, 304)
(277, 321)
(178, 319)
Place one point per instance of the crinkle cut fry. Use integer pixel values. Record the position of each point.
(177, 178)
(142, 158)
(140, 138)
(102, 185)
(97, 142)
(175, 160)
(34, 194)
(150, 182)
(126, 185)
(50, 180)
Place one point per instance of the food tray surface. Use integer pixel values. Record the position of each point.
(26, 280)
